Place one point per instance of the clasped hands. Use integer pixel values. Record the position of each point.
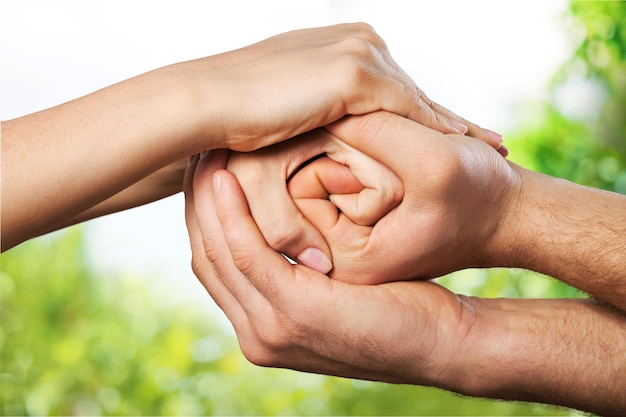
(389, 201)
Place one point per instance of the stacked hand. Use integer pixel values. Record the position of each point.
(430, 203)
(276, 307)
(414, 214)
(389, 200)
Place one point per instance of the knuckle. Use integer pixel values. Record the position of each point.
(434, 114)
(362, 27)
(281, 236)
(425, 108)
(203, 271)
(438, 108)
(243, 258)
(394, 192)
(363, 64)
(445, 174)
(266, 346)
(272, 339)
(211, 251)
(429, 117)
(202, 256)
(360, 47)
(256, 354)
(367, 32)
(257, 357)
(197, 266)
(423, 97)
(397, 192)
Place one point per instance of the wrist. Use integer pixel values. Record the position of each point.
(190, 99)
(549, 351)
(573, 233)
(215, 97)
(487, 362)
(526, 216)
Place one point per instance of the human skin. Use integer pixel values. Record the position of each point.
(496, 213)
(417, 331)
(434, 202)
(458, 205)
(72, 162)
(264, 174)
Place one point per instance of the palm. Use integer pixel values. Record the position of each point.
(413, 317)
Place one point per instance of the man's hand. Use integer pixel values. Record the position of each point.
(412, 202)
(405, 332)
(465, 207)
(276, 307)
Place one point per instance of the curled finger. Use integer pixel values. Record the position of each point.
(263, 177)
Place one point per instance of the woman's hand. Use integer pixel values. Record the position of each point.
(297, 81)
(62, 162)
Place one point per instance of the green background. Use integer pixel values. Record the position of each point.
(72, 342)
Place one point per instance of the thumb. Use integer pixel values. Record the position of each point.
(285, 228)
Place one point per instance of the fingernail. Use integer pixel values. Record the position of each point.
(315, 259)
(217, 182)
(504, 151)
(460, 127)
(493, 135)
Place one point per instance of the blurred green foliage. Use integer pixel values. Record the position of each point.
(74, 343)
(587, 145)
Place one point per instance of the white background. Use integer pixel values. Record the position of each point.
(479, 58)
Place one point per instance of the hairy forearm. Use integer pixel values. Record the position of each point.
(549, 351)
(59, 162)
(574, 233)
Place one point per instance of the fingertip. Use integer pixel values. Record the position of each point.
(458, 126)
(315, 259)
(495, 140)
(229, 198)
(349, 205)
(494, 136)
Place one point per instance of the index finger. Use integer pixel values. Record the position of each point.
(395, 141)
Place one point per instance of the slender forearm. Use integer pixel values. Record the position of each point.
(161, 184)
(574, 233)
(59, 162)
(550, 351)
